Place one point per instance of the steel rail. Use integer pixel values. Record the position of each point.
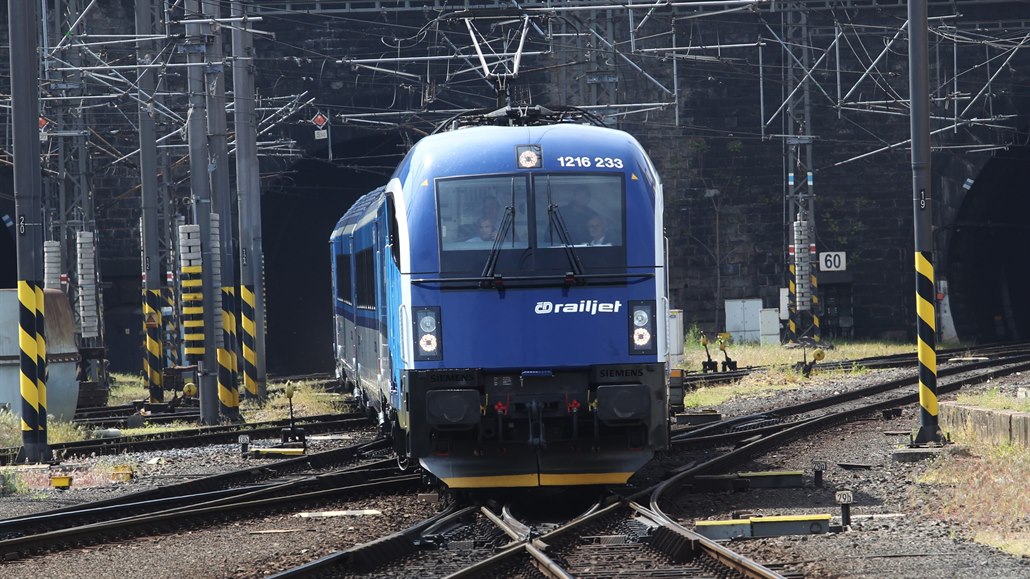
(51, 521)
(146, 524)
(744, 453)
(95, 417)
(690, 540)
(872, 362)
(150, 442)
(727, 558)
(368, 555)
(517, 535)
(234, 478)
(835, 399)
(545, 564)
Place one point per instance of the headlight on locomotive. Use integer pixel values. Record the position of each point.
(452, 407)
(428, 333)
(641, 328)
(640, 317)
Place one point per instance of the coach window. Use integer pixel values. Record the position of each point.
(590, 206)
(365, 290)
(472, 211)
(343, 278)
(391, 212)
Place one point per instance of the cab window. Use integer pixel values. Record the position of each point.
(472, 212)
(590, 206)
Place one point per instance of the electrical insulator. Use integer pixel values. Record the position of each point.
(802, 266)
(52, 264)
(89, 316)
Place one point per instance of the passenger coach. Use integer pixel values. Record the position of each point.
(501, 305)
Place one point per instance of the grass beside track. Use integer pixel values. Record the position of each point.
(309, 399)
(773, 354)
(982, 490)
(994, 399)
(780, 373)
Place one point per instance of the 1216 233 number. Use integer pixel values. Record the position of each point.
(602, 162)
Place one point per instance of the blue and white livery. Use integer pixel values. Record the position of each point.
(501, 305)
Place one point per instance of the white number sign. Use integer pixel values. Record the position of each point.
(833, 261)
(844, 497)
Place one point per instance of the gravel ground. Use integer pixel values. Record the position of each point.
(899, 542)
(244, 549)
(92, 475)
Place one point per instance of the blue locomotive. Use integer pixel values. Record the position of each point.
(501, 305)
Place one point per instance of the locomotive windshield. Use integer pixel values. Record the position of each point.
(473, 212)
(533, 222)
(589, 205)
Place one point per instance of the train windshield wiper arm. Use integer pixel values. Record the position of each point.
(506, 223)
(556, 222)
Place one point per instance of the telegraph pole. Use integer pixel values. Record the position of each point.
(23, 18)
(248, 185)
(922, 200)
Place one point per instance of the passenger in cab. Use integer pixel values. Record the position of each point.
(486, 233)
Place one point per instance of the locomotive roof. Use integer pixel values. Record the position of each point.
(473, 139)
(491, 149)
(358, 209)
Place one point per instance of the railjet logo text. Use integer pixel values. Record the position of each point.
(592, 307)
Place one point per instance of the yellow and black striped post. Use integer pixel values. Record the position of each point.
(28, 360)
(192, 313)
(153, 357)
(250, 384)
(929, 429)
(41, 368)
(227, 407)
(171, 329)
(792, 300)
(228, 393)
(816, 330)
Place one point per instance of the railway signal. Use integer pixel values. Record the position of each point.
(321, 122)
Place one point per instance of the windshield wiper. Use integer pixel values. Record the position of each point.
(554, 220)
(506, 223)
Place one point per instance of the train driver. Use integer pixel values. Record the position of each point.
(598, 230)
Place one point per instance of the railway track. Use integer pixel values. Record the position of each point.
(196, 436)
(733, 430)
(621, 538)
(223, 497)
(632, 535)
(695, 379)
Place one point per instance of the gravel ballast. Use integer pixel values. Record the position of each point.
(893, 532)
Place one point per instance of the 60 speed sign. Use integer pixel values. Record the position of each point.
(833, 261)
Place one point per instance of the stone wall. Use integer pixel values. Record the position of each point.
(996, 427)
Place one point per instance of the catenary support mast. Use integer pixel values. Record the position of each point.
(24, 23)
(922, 200)
(248, 184)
